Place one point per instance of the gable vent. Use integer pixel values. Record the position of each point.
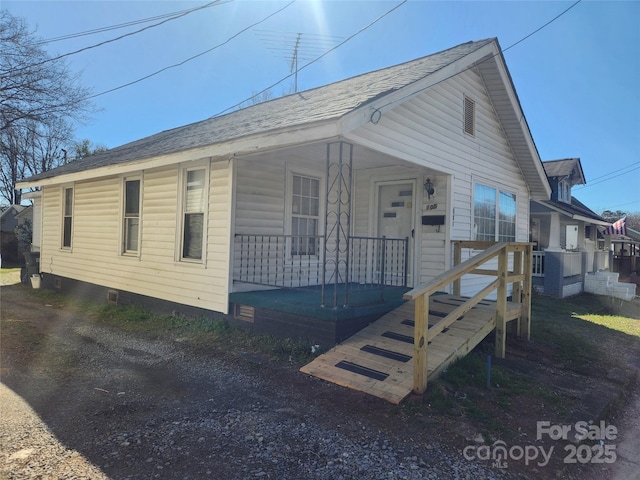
(469, 116)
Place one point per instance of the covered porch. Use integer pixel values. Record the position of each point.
(330, 238)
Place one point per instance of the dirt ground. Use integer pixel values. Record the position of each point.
(145, 408)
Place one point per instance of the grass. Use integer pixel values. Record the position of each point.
(202, 334)
(585, 334)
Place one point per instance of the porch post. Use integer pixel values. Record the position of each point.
(524, 330)
(337, 227)
(554, 233)
(501, 304)
(517, 286)
(420, 342)
(457, 259)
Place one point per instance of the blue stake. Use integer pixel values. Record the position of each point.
(488, 371)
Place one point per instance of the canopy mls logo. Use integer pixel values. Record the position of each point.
(598, 452)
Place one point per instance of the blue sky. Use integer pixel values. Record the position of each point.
(578, 79)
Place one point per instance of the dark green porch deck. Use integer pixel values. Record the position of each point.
(299, 314)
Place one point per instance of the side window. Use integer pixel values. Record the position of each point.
(131, 214)
(67, 216)
(305, 215)
(484, 212)
(494, 214)
(194, 210)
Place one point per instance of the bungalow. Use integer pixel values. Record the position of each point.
(564, 232)
(355, 191)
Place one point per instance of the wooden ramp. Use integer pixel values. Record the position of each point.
(378, 360)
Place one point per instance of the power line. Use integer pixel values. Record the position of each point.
(582, 187)
(53, 59)
(485, 60)
(120, 25)
(610, 173)
(194, 56)
(315, 60)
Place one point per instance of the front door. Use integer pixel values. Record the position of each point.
(395, 221)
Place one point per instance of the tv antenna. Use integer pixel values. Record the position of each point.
(297, 47)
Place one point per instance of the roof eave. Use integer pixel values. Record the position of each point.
(286, 137)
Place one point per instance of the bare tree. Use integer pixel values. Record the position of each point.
(40, 98)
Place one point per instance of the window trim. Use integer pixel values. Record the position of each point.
(123, 217)
(64, 215)
(499, 188)
(182, 192)
(288, 213)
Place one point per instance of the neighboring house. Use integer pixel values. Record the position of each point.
(626, 253)
(8, 240)
(565, 234)
(361, 184)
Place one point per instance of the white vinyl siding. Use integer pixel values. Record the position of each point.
(97, 234)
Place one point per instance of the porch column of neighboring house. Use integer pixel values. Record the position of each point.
(554, 233)
(553, 256)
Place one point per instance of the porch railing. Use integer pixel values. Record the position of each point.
(278, 260)
(293, 261)
(519, 276)
(379, 261)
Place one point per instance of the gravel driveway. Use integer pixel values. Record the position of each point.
(81, 400)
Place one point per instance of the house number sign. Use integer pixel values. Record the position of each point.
(431, 206)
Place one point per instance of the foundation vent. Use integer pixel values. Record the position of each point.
(112, 297)
(243, 312)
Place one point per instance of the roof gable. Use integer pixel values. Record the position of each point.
(569, 168)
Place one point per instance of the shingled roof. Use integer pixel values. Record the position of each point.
(568, 167)
(326, 103)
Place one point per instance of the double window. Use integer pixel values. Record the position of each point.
(194, 210)
(131, 214)
(494, 214)
(67, 216)
(305, 214)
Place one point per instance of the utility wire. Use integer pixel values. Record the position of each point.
(582, 187)
(53, 59)
(313, 61)
(120, 25)
(485, 60)
(610, 173)
(194, 56)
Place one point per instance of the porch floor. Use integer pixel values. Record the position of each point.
(378, 360)
(307, 301)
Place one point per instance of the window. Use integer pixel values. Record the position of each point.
(131, 227)
(194, 208)
(305, 215)
(469, 116)
(494, 214)
(67, 217)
